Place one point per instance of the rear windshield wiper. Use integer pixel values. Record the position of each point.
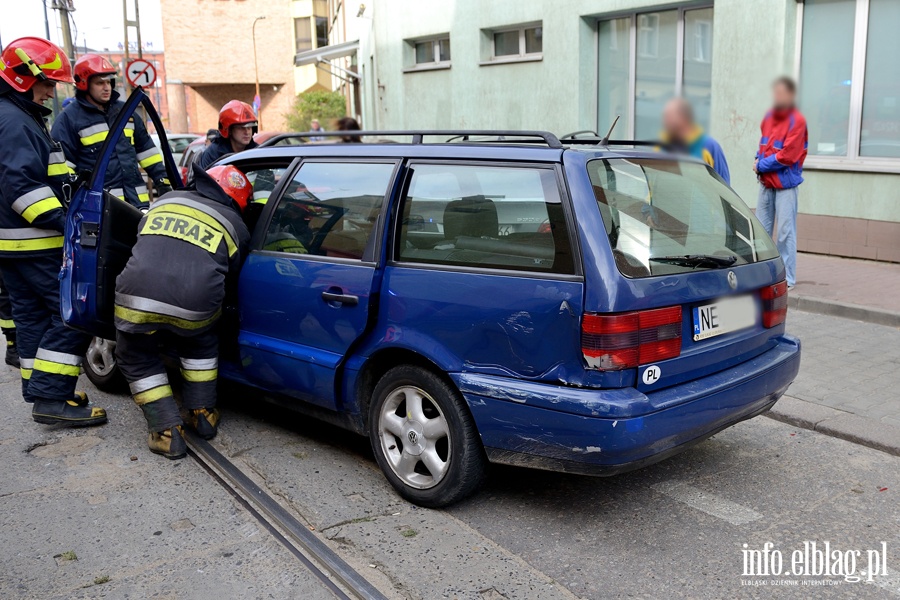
(697, 260)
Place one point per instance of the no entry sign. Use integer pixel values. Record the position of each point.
(140, 73)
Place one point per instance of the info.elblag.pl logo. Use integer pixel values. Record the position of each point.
(814, 560)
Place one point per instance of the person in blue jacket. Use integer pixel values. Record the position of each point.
(33, 174)
(682, 132)
(83, 126)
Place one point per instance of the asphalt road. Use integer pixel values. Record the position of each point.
(674, 530)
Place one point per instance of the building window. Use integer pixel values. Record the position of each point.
(431, 52)
(644, 59)
(848, 74)
(521, 43)
(321, 32)
(303, 34)
(648, 35)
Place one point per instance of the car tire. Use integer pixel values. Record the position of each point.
(433, 455)
(101, 368)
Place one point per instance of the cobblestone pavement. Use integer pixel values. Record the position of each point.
(848, 365)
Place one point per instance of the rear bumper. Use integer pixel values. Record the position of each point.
(604, 432)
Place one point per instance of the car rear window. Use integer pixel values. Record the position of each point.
(475, 216)
(657, 208)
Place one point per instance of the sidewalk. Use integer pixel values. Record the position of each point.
(845, 287)
(850, 374)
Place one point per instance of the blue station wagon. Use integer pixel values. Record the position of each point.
(575, 305)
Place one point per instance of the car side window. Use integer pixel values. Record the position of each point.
(484, 216)
(329, 209)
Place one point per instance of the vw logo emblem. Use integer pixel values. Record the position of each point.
(732, 280)
(413, 437)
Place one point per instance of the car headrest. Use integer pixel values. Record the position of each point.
(473, 216)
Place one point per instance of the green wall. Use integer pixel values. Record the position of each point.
(753, 42)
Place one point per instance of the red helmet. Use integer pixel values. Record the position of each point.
(89, 65)
(27, 60)
(235, 113)
(233, 182)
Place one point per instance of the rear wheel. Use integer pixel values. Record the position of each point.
(424, 438)
(101, 368)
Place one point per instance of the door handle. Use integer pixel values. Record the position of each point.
(345, 299)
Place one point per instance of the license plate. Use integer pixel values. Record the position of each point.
(724, 316)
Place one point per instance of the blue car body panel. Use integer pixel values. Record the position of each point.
(603, 432)
(509, 341)
(291, 341)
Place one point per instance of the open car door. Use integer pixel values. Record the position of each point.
(100, 232)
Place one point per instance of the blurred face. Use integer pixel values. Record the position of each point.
(99, 89)
(315, 125)
(241, 135)
(43, 91)
(782, 97)
(675, 124)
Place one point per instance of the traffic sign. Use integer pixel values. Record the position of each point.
(140, 72)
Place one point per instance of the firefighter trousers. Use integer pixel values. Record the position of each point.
(7, 325)
(50, 353)
(140, 360)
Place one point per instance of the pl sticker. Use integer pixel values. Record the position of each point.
(652, 374)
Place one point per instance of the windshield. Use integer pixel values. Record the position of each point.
(656, 210)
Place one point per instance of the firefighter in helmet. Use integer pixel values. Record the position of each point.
(83, 126)
(33, 172)
(189, 249)
(237, 124)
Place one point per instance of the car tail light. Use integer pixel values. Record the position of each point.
(775, 302)
(624, 341)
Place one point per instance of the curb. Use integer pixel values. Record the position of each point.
(864, 431)
(845, 310)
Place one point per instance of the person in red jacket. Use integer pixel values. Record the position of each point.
(779, 168)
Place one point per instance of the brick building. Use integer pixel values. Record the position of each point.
(211, 48)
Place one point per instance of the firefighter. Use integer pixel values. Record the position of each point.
(32, 173)
(237, 124)
(83, 126)
(189, 249)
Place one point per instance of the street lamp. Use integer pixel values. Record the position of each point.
(256, 68)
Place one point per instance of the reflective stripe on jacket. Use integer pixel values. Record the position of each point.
(82, 128)
(32, 171)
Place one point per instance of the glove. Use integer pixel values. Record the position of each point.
(163, 186)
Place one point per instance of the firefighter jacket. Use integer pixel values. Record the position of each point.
(32, 173)
(190, 244)
(82, 128)
(218, 148)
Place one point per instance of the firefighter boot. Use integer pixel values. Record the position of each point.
(12, 352)
(169, 443)
(205, 421)
(67, 413)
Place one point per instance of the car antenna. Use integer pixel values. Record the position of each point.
(605, 140)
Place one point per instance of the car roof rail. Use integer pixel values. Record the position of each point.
(598, 141)
(450, 135)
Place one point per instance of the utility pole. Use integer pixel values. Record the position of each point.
(258, 98)
(64, 7)
(47, 30)
(136, 23)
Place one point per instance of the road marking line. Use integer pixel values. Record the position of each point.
(707, 502)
